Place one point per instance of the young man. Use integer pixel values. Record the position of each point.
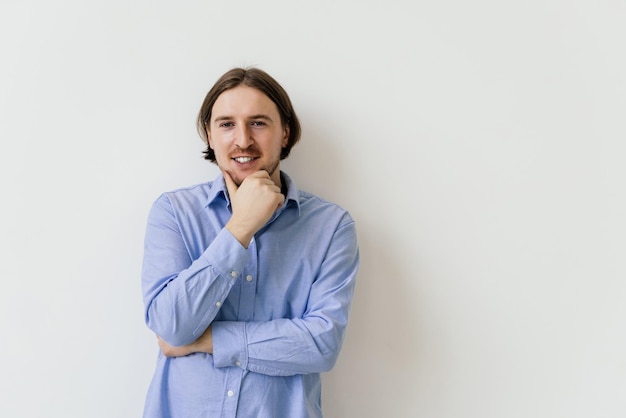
(247, 281)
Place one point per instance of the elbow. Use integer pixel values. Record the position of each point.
(326, 358)
(328, 361)
(328, 345)
(177, 339)
(169, 329)
(327, 364)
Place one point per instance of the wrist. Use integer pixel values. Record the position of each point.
(243, 235)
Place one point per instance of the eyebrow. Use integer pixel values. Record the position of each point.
(257, 116)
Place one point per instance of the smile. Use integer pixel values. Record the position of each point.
(243, 160)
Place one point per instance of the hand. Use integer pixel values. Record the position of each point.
(253, 204)
(204, 344)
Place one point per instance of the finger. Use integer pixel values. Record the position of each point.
(279, 203)
(263, 174)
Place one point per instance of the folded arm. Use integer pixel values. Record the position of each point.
(183, 296)
(283, 347)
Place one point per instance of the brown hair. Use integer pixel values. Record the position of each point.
(260, 80)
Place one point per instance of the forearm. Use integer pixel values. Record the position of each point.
(204, 344)
(281, 347)
(180, 305)
(186, 306)
(309, 343)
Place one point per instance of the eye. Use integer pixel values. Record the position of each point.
(258, 123)
(226, 125)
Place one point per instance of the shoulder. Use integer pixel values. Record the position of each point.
(184, 198)
(196, 190)
(312, 205)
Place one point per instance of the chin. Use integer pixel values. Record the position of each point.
(236, 175)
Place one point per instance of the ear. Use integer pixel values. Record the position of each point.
(286, 136)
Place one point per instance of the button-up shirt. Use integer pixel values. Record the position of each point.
(278, 308)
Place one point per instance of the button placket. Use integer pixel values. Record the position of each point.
(232, 387)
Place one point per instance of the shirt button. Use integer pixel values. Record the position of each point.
(249, 278)
(233, 274)
(238, 363)
(218, 303)
(230, 393)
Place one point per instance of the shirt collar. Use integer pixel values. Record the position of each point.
(218, 191)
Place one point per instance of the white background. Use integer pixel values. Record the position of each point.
(478, 145)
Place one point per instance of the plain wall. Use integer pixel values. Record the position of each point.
(479, 146)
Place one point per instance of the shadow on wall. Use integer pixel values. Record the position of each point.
(315, 166)
(377, 363)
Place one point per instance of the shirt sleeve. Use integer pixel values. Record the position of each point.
(309, 344)
(181, 295)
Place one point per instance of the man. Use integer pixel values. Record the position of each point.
(247, 281)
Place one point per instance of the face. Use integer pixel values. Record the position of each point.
(246, 133)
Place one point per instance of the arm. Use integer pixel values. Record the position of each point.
(204, 344)
(309, 344)
(181, 295)
(283, 347)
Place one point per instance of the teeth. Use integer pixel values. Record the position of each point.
(243, 159)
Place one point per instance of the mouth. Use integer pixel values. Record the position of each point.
(244, 160)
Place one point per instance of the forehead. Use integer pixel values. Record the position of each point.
(243, 101)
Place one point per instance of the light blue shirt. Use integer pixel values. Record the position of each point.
(278, 309)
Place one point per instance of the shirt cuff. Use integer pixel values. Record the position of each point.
(230, 345)
(227, 255)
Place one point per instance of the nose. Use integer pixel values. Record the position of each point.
(243, 136)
